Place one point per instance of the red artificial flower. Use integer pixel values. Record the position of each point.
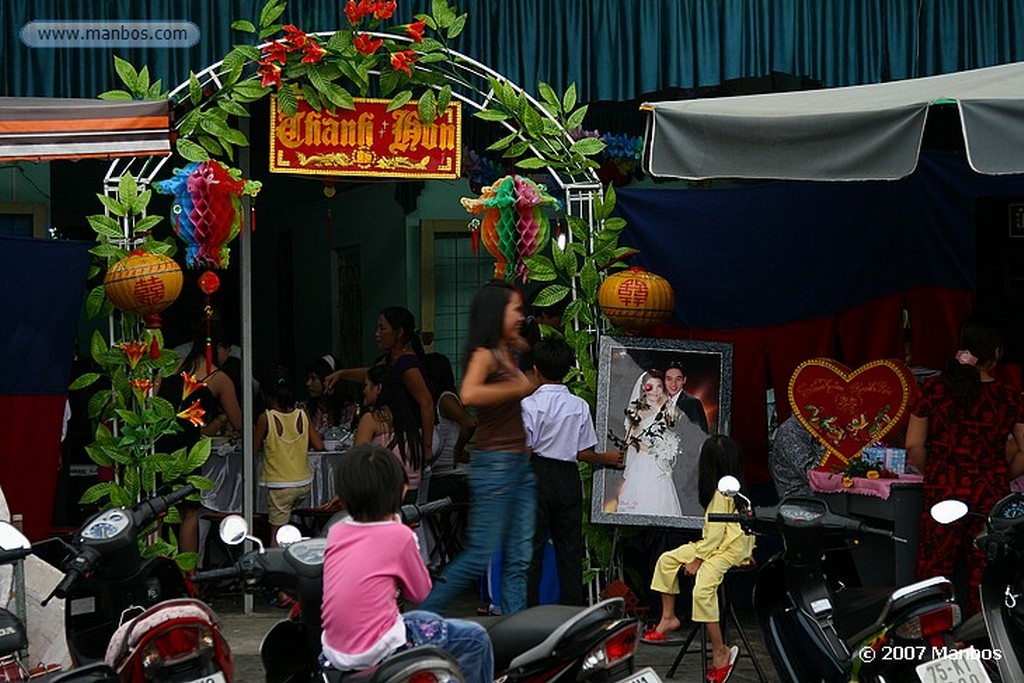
(143, 385)
(402, 61)
(277, 51)
(367, 45)
(294, 36)
(190, 384)
(355, 12)
(415, 30)
(383, 9)
(271, 74)
(312, 52)
(134, 351)
(194, 414)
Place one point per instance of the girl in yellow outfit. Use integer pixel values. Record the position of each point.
(722, 546)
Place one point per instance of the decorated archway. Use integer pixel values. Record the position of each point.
(397, 63)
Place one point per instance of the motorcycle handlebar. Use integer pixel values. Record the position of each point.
(9, 556)
(232, 572)
(154, 508)
(725, 517)
(414, 513)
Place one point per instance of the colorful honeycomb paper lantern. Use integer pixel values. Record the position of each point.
(635, 299)
(143, 283)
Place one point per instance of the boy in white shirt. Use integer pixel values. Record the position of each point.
(560, 433)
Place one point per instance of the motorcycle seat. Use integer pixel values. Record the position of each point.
(128, 635)
(517, 633)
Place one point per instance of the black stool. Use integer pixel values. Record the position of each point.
(727, 614)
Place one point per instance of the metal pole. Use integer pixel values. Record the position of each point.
(20, 607)
(245, 285)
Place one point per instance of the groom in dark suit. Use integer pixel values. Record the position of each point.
(688, 405)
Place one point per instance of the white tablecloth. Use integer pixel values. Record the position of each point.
(225, 470)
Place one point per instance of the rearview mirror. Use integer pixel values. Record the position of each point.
(287, 535)
(11, 538)
(233, 530)
(729, 486)
(948, 511)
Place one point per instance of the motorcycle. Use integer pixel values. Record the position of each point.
(134, 613)
(539, 644)
(13, 638)
(815, 631)
(999, 628)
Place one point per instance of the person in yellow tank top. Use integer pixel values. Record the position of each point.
(722, 546)
(285, 433)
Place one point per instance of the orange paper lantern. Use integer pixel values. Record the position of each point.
(635, 299)
(143, 283)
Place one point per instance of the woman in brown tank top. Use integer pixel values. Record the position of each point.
(501, 481)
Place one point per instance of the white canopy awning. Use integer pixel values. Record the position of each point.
(866, 132)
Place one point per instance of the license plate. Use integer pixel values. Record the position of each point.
(217, 677)
(645, 675)
(964, 666)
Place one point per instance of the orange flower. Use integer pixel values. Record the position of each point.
(402, 61)
(365, 44)
(134, 351)
(872, 474)
(415, 30)
(383, 9)
(194, 414)
(294, 36)
(312, 52)
(847, 482)
(190, 384)
(271, 74)
(355, 12)
(143, 385)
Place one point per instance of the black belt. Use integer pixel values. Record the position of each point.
(553, 462)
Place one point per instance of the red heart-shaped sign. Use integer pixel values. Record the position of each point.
(849, 409)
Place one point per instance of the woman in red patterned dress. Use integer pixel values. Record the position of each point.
(957, 437)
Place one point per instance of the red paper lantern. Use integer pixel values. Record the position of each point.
(209, 282)
(636, 299)
(143, 283)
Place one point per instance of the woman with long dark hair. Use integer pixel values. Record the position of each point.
(501, 481)
(388, 421)
(325, 410)
(397, 337)
(956, 437)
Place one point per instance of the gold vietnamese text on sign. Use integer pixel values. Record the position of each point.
(366, 141)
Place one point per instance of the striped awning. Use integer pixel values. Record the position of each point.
(43, 129)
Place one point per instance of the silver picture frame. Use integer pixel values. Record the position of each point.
(661, 433)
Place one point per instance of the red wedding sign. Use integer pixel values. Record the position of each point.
(366, 141)
(847, 410)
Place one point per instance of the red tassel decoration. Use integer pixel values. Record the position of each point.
(474, 241)
(252, 219)
(209, 356)
(154, 348)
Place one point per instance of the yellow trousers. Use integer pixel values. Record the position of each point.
(705, 588)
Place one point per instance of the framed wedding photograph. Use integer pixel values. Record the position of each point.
(657, 400)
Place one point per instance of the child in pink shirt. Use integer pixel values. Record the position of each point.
(372, 556)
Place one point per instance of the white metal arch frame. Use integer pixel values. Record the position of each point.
(470, 85)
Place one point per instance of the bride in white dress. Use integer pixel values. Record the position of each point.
(651, 450)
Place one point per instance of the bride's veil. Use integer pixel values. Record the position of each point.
(634, 396)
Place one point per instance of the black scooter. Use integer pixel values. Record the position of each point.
(13, 638)
(539, 644)
(817, 632)
(998, 630)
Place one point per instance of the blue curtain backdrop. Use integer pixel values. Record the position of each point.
(613, 49)
(751, 251)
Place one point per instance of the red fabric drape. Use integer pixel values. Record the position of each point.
(935, 317)
(30, 443)
(872, 331)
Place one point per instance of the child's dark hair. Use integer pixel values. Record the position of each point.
(487, 315)
(982, 339)
(277, 388)
(719, 456)
(404, 421)
(553, 358)
(336, 402)
(368, 479)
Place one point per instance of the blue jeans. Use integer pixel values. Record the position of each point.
(503, 492)
(466, 641)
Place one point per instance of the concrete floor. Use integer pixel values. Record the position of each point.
(244, 633)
